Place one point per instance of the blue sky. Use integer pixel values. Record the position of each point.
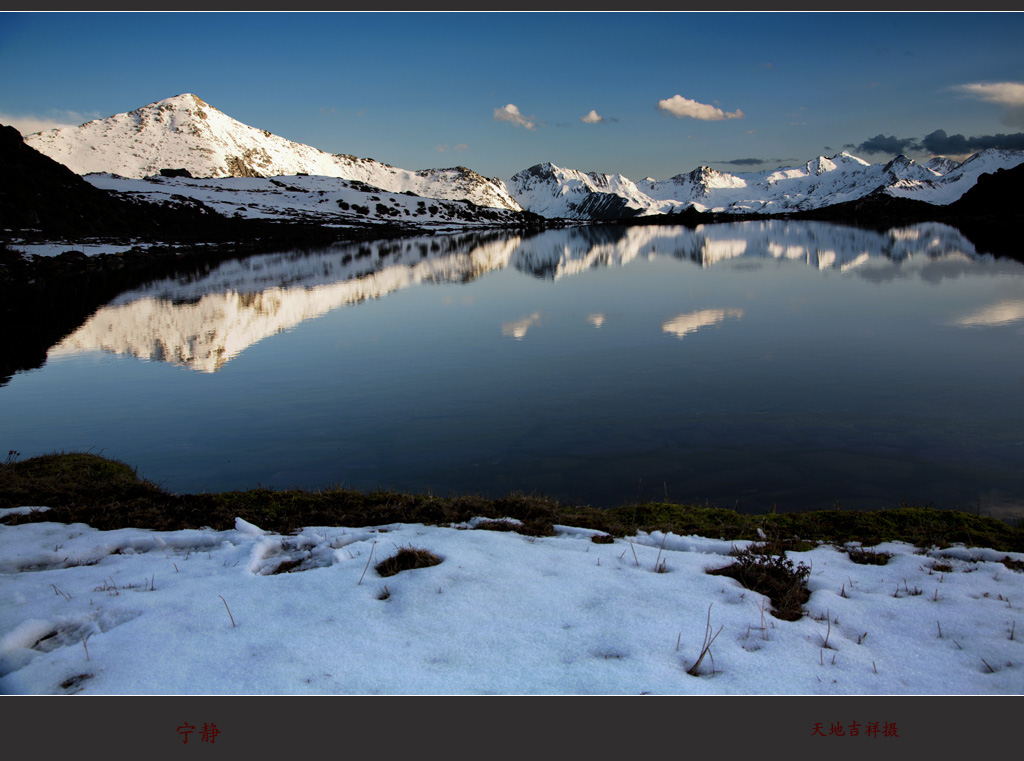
(499, 92)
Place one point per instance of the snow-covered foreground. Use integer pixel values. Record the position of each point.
(203, 612)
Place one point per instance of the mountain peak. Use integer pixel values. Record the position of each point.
(848, 158)
(542, 171)
(820, 165)
(899, 161)
(186, 98)
(186, 103)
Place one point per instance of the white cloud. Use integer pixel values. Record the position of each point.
(26, 125)
(1004, 93)
(592, 118)
(461, 148)
(510, 113)
(679, 107)
(1007, 94)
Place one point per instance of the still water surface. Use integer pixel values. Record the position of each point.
(750, 364)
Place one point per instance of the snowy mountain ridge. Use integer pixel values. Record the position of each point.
(552, 191)
(185, 132)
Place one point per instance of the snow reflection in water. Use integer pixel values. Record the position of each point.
(820, 363)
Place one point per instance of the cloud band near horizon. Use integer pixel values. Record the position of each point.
(939, 143)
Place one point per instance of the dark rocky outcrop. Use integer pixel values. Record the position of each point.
(41, 195)
(1000, 194)
(600, 206)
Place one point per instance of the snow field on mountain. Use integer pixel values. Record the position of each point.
(245, 611)
(323, 200)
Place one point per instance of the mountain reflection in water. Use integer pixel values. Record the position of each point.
(756, 363)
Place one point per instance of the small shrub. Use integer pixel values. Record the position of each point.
(491, 525)
(287, 565)
(407, 559)
(867, 557)
(773, 576)
(1013, 565)
(776, 545)
(526, 528)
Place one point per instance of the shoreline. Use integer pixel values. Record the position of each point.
(108, 494)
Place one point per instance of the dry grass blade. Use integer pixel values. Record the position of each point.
(228, 610)
(657, 562)
(694, 670)
(367, 564)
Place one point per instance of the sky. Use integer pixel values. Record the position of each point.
(641, 94)
(202, 612)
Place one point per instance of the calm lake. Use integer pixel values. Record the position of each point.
(745, 365)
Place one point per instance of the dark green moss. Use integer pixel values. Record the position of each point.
(107, 494)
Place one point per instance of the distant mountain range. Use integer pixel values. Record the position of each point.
(229, 167)
(551, 191)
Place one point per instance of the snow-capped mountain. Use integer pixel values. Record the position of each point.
(957, 179)
(185, 132)
(552, 191)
